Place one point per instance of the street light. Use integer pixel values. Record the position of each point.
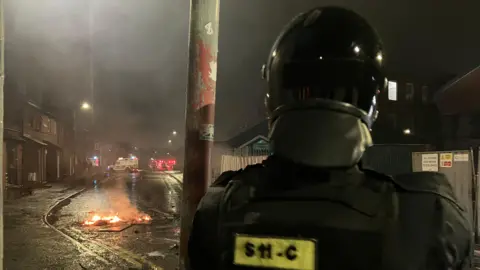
(174, 133)
(169, 141)
(86, 106)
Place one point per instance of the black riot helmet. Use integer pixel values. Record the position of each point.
(328, 58)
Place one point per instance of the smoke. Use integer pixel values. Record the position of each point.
(119, 203)
(139, 65)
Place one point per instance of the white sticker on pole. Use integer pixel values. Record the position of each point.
(430, 162)
(446, 160)
(460, 157)
(209, 28)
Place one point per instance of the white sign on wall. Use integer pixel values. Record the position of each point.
(430, 162)
(392, 90)
(460, 157)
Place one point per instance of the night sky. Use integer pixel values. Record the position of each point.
(140, 52)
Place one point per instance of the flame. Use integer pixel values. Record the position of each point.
(97, 219)
(118, 209)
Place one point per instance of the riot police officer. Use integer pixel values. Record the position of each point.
(311, 205)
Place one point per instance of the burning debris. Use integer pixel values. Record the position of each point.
(102, 220)
(117, 209)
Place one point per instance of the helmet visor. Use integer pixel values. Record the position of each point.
(350, 81)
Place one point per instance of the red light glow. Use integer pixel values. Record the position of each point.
(163, 164)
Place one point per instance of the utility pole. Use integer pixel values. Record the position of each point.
(91, 76)
(2, 80)
(200, 111)
(91, 64)
(75, 141)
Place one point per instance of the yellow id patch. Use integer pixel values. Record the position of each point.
(281, 253)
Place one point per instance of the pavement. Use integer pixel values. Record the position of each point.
(176, 174)
(476, 260)
(29, 243)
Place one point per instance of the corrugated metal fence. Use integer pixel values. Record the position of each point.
(458, 166)
(392, 159)
(249, 151)
(386, 158)
(238, 162)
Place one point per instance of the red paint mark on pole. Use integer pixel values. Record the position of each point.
(205, 63)
(204, 59)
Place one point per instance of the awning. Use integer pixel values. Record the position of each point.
(53, 144)
(14, 135)
(35, 140)
(461, 95)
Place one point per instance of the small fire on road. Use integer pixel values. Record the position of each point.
(102, 220)
(117, 210)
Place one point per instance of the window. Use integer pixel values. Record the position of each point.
(409, 91)
(36, 122)
(45, 124)
(425, 94)
(53, 127)
(474, 126)
(392, 119)
(392, 90)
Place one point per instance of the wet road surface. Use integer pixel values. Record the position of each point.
(154, 244)
(29, 243)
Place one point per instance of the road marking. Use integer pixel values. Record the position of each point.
(171, 240)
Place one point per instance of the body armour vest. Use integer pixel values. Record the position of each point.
(341, 220)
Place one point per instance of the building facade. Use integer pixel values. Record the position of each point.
(13, 140)
(34, 142)
(43, 148)
(407, 114)
(65, 123)
(458, 102)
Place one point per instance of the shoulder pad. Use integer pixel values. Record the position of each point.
(427, 182)
(376, 174)
(254, 167)
(251, 174)
(224, 178)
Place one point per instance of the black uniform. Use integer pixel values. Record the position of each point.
(431, 232)
(311, 205)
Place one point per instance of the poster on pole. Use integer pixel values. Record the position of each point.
(430, 162)
(446, 160)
